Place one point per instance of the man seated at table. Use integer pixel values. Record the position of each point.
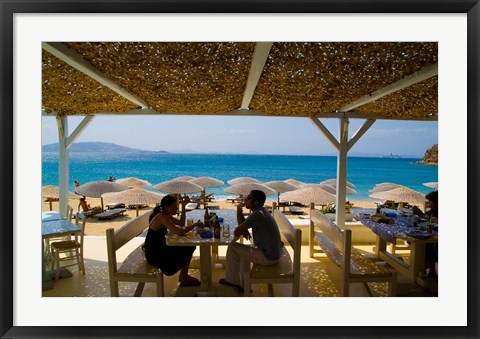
(266, 248)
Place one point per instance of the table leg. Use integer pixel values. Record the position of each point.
(417, 259)
(47, 282)
(380, 245)
(205, 267)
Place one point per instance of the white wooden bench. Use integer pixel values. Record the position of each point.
(135, 267)
(285, 271)
(349, 263)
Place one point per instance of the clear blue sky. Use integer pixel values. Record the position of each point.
(255, 135)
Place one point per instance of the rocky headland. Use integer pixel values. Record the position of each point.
(430, 157)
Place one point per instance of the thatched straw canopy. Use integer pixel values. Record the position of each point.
(298, 79)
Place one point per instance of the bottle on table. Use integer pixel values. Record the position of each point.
(217, 227)
(213, 220)
(206, 218)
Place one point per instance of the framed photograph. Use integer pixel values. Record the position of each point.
(29, 30)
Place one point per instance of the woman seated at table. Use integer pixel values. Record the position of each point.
(431, 250)
(170, 259)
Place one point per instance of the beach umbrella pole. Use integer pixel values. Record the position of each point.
(137, 210)
(50, 202)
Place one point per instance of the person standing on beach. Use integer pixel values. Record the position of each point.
(266, 248)
(170, 259)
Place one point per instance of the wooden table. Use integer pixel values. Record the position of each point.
(52, 228)
(206, 245)
(51, 215)
(389, 233)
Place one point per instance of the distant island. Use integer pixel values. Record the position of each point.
(430, 157)
(97, 147)
(392, 156)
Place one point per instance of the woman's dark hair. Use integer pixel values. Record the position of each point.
(259, 196)
(166, 201)
(432, 196)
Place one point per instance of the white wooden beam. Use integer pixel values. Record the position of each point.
(63, 166)
(342, 173)
(81, 126)
(77, 61)
(326, 133)
(358, 134)
(254, 113)
(262, 49)
(150, 111)
(424, 74)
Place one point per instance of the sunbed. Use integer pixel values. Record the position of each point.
(110, 214)
(113, 205)
(191, 206)
(140, 206)
(296, 210)
(210, 196)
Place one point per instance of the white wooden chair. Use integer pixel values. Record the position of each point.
(135, 267)
(70, 250)
(285, 271)
(48, 241)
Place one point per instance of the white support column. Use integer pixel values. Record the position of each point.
(63, 174)
(342, 173)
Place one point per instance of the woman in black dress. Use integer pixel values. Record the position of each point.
(170, 259)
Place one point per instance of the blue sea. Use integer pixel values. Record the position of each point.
(364, 173)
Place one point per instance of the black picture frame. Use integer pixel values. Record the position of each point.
(9, 8)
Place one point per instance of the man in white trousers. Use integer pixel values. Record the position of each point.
(266, 247)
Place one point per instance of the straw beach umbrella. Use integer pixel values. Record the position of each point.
(53, 192)
(433, 185)
(242, 180)
(329, 188)
(307, 195)
(280, 187)
(294, 182)
(184, 178)
(245, 188)
(207, 182)
(132, 182)
(386, 186)
(178, 187)
(95, 189)
(135, 196)
(334, 183)
(401, 195)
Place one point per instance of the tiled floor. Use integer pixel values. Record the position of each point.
(315, 281)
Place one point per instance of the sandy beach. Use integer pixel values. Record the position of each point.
(95, 227)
